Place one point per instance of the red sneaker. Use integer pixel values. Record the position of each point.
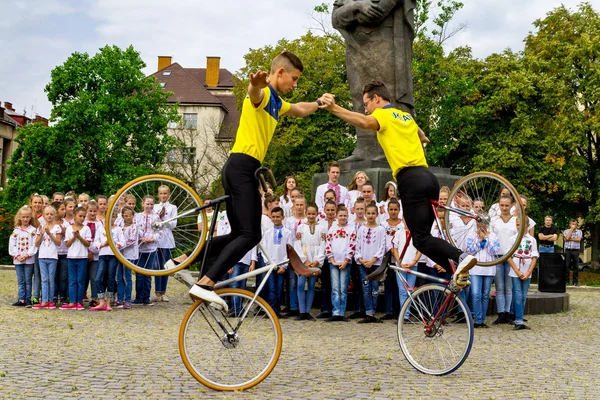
(51, 306)
(79, 307)
(68, 307)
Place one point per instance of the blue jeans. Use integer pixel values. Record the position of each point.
(143, 283)
(339, 289)
(160, 282)
(521, 287)
(370, 289)
(544, 249)
(24, 279)
(107, 270)
(238, 269)
(62, 278)
(124, 282)
(480, 296)
(48, 274)
(264, 293)
(78, 273)
(275, 283)
(91, 278)
(37, 278)
(293, 285)
(503, 287)
(305, 298)
(411, 279)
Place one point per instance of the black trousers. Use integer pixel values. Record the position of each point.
(572, 262)
(416, 186)
(243, 211)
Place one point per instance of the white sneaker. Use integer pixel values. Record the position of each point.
(155, 299)
(462, 271)
(164, 298)
(196, 292)
(170, 264)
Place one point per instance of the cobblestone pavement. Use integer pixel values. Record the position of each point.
(130, 354)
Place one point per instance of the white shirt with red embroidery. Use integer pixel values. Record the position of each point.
(390, 231)
(293, 223)
(370, 243)
(47, 248)
(399, 242)
(144, 224)
(341, 243)
(131, 245)
(22, 243)
(525, 253)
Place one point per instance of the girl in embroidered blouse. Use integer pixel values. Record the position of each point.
(48, 239)
(311, 249)
(21, 247)
(391, 225)
(285, 199)
(340, 248)
(370, 248)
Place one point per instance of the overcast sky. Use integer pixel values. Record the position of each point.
(37, 35)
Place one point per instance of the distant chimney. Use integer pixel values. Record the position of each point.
(213, 65)
(8, 106)
(164, 62)
(41, 120)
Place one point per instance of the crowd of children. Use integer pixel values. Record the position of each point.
(61, 248)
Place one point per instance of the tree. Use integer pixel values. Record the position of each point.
(110, 127)
(302, 146)
(564, 57)
(198, 158)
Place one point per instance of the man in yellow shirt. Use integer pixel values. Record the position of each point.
(261, 111)
(401, 140)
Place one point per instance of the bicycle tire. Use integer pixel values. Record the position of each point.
(418, 344)
(204, 355)
(484, 185)
(188, 238)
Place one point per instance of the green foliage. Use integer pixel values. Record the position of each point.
(110, 127)
(302, 146)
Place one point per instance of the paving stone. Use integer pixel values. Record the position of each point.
(134, 354)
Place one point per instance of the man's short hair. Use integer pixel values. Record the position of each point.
(334, 164)
(377, 88)
(277, 210)
(288, 61)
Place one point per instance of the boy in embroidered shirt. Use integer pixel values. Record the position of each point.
(522, 264)
(370, 248)
(274, 242)
(356, 222)
(339, 250)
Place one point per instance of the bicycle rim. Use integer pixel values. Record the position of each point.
(187, 233)
(479, 193)
(442, 348)
(230, 363)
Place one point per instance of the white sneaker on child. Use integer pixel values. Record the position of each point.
(196, 292)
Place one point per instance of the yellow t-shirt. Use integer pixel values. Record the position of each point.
(257, 124)
(398, 135)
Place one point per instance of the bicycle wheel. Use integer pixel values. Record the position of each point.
(187, 237)
(441, 347)
(230, 355)
(479, 193)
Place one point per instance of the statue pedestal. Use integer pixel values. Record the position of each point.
(379, 176)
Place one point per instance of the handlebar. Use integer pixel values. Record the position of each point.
(264, 175)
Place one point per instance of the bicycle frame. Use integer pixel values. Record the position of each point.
(398, 269)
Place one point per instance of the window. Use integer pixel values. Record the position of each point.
(190, 121)
(166, 73)
(163, 84)
(172, 125)
(172, 156)
(188, 155)
(184, 155)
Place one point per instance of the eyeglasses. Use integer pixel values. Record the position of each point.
(369, 100)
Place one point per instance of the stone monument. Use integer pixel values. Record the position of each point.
(379, 36)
